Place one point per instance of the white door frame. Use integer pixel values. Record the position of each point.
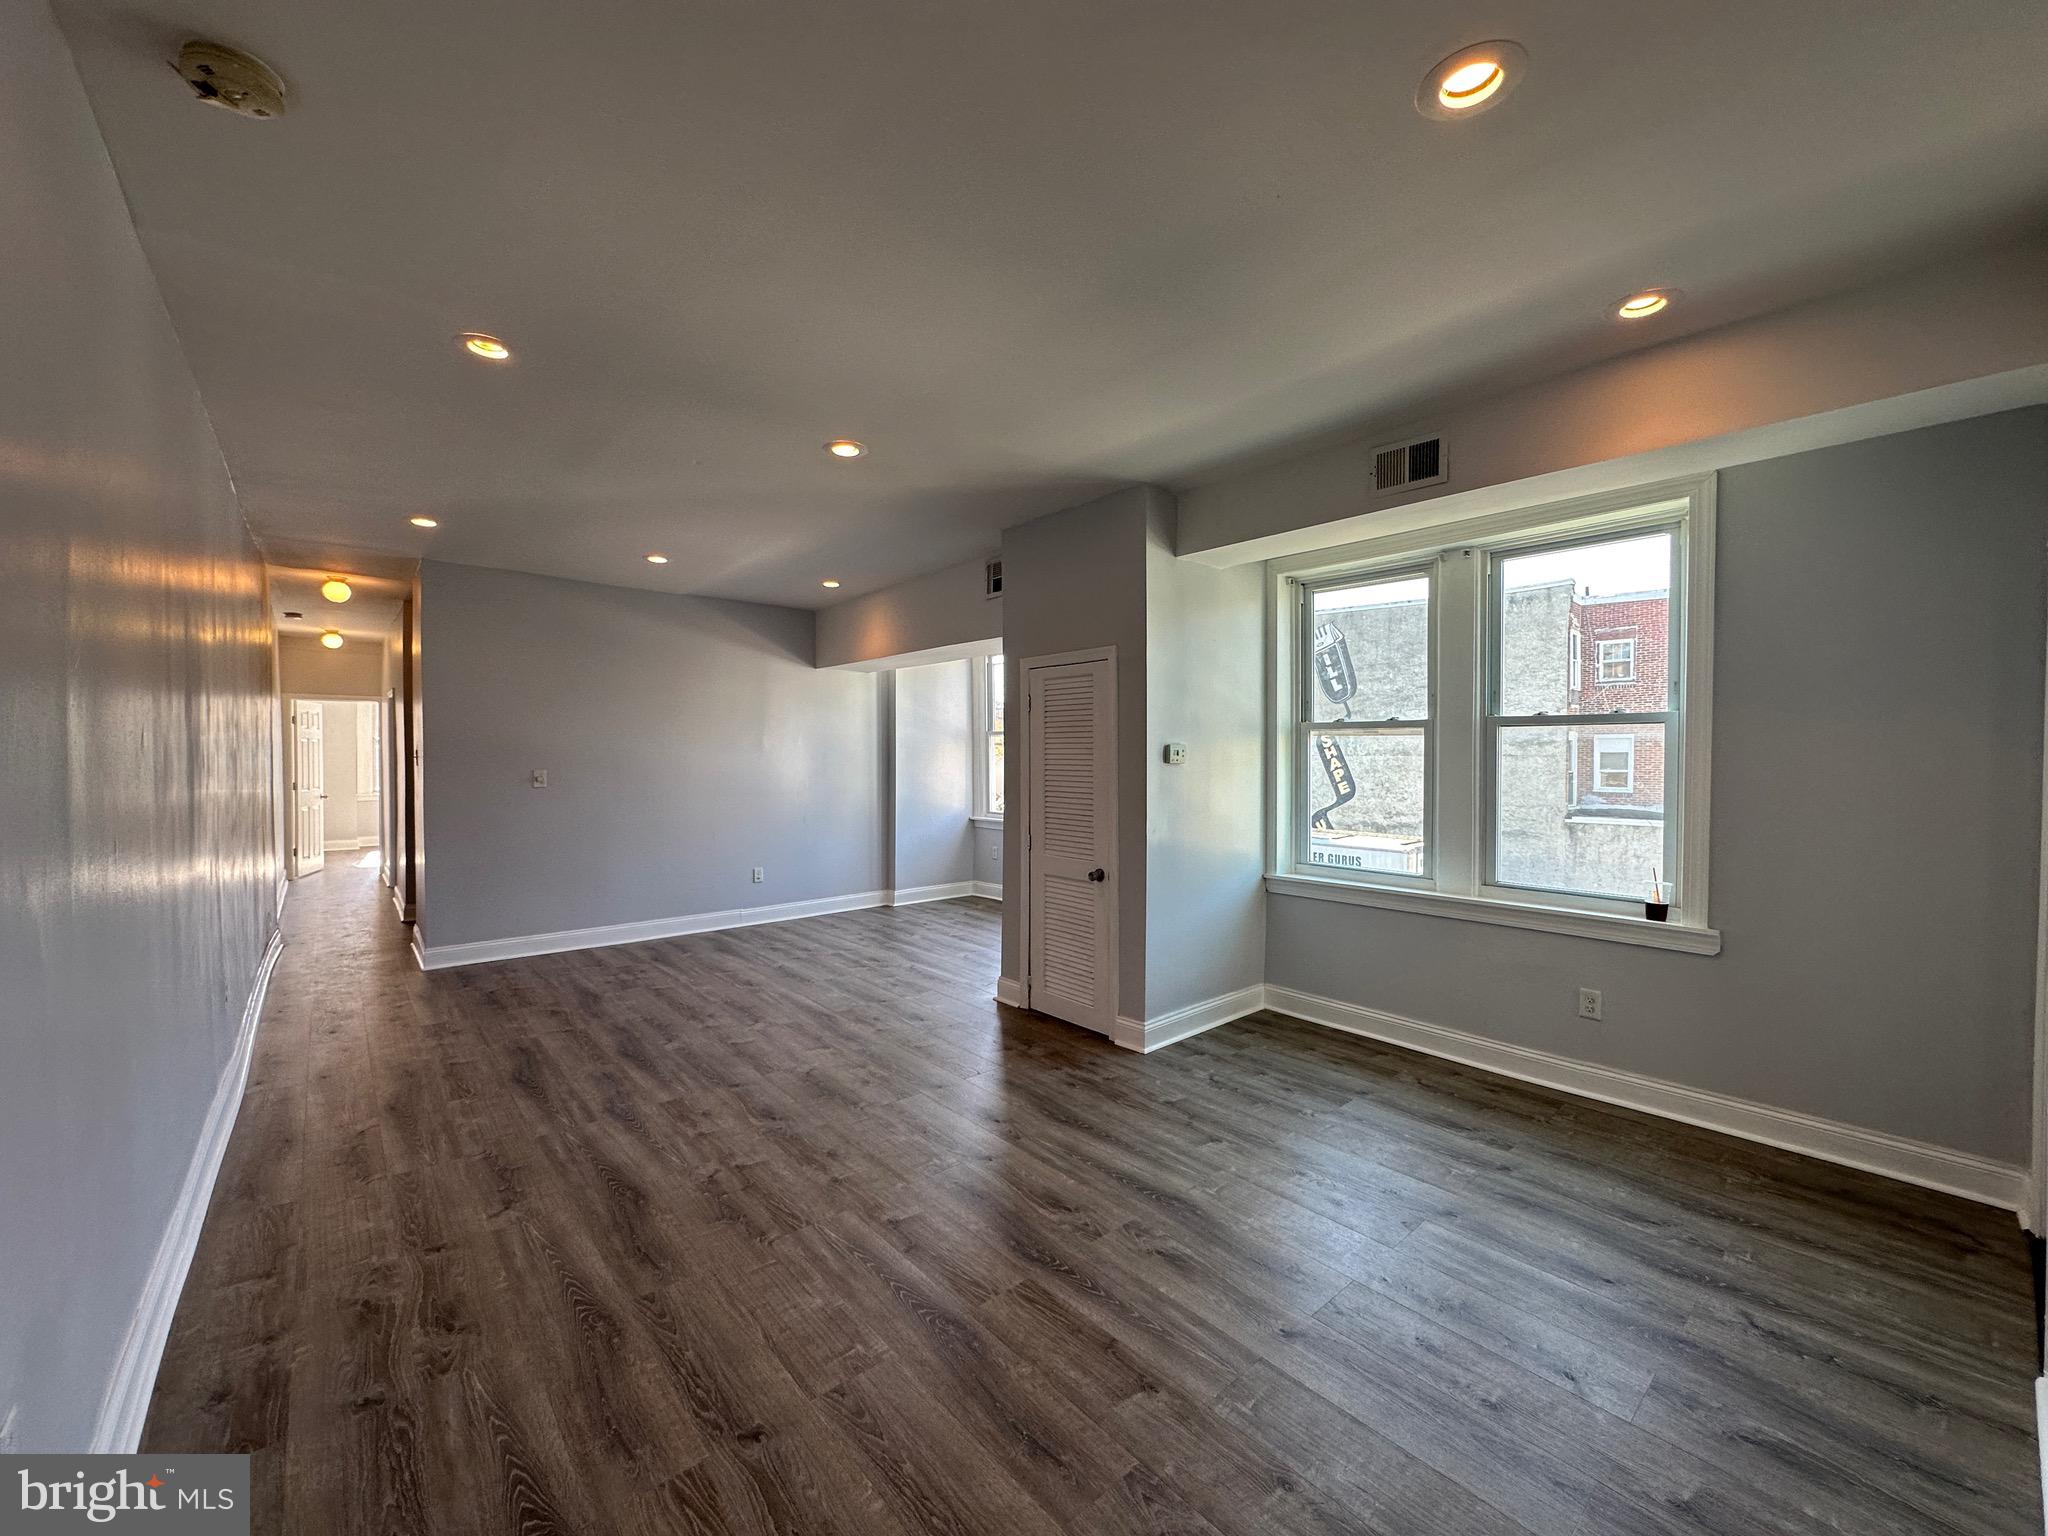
(1024, 728)
(381, 701)
(306, 860)
(2035, 1217)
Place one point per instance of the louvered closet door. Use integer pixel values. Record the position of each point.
(1070, 725)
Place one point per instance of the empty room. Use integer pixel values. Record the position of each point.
(1108, 768)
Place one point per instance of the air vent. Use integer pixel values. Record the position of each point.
(1404, 466)
(992, 579)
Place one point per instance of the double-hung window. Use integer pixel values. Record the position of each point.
(988, 736)
(1504, 718)
(1618, 661)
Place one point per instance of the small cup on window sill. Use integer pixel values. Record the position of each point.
(1658, 908)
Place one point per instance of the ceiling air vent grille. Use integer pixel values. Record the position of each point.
(992, 579)
(1404, 466)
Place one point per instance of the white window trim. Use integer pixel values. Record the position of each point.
(1457, 888)
(1628, 787)
(1600, 661)
(978, 734)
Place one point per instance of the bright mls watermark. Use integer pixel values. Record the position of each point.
(174, 1495)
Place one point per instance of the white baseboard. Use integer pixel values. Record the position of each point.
(1913, 1162)
(910, 896)
(284, 889)
(2041, 1432)
(405, 914)
(1010, 991)
(1151, 1034)
(348, 845)
(989, 890)
(441, 957)
(118, 1430)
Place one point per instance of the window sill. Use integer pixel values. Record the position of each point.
(988, 823)
(1506, 914)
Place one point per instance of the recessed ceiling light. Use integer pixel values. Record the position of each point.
(331, 638)
(1640, 306)
(657, 559)
(845, 448)
(828, 582)
(485, 346)
(1472, 80)
(424, 522)
(335, 590)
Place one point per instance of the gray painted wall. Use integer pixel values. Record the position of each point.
(1738, 393)
(1075, 580)
(940, 611)
(1205, 906)
(138, 886)
(988, 855)
(685, 740)
(307, 669)
(934, 776)
(1877, 761)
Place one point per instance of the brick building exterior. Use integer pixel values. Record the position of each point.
(1578, 808)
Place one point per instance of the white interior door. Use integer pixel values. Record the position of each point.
(1070, 794)
(309, 789)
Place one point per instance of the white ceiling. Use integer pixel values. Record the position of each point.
(1027, 251)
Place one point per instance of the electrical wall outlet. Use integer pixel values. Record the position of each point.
(760, 874)
(1176, 753)
(1589, 1003)
(540, 778)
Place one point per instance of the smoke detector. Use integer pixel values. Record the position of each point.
(227, 77)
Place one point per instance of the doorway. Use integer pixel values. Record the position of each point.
(338, 774)
(1070, 864)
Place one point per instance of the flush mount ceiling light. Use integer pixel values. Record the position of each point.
(486, 346)
(1642, 305)
(845, 448)
(424, 522)
(331, 638)
(335, 590)
(1472, 80)
(829, 582)
(657, 559)
(230, 79)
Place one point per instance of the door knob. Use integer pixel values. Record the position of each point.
(1097, 875)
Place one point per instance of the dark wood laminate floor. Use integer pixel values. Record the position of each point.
(791, 1229)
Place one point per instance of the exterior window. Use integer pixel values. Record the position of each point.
(988, 709)
(1364, 725)
(1507, 721)
(1614, 762)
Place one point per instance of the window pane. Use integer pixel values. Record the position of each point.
(1365, 801)
(1369, 651)
(995, 693)
(995, 773)
(1583, 631)
(1580, 810)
